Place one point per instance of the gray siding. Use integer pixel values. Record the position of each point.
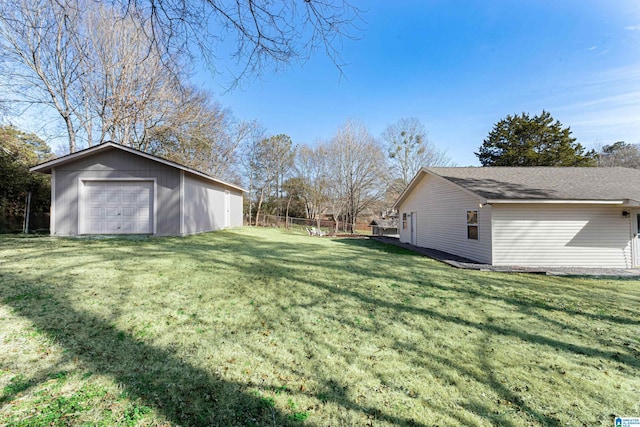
(205, 205)
(441, 208)
(237, 208)
(547, 235)
(116, 164)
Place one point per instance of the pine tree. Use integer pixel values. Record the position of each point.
(521, 140)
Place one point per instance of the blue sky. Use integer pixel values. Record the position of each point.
(460, 67)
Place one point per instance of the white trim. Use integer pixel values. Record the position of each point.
(491, 234)
(44, 167)
(413, 228)
(52, 212)
(81, 190)
(182, 203)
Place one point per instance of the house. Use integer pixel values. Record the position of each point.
(113, 189)
(384, 226)
(534, 216)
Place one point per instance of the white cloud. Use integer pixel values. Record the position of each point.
(633, 28)
(601, 107)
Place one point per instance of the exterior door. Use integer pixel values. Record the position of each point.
(414, 228)
(116, 207)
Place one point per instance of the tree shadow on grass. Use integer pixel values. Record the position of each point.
(616, 354)
(183, 394)
(514, 278)
(190, 396)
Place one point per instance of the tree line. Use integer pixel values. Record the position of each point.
(121, 71)
(352, 173)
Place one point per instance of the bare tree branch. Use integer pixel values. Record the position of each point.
(266, 35)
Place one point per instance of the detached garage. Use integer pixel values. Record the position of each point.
(113, 189)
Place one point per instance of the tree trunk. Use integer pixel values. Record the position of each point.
(259, 206)
(286, 218)
(72, 133)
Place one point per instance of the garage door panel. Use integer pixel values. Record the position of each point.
(128, 226)
(118, 207)
(95, 197)
(143, 212)
(96, 212)
(112, 226)
(111, 212)
(96, 227)
(113, 197)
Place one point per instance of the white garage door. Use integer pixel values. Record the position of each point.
(117, 207)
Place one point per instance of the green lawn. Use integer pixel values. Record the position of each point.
(264, 327)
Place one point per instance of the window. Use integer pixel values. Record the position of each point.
(472, 225)
(404, 221)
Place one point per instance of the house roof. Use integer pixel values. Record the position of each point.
(385, 223)
(540, 184)
(46, 167)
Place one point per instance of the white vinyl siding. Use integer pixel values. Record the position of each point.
(441, 209)
(547, 235)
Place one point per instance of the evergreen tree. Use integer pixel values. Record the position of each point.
(521, 140)
(19, 151)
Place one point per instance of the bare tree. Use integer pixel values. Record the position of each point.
(272, 163)
(249, 154)
(133, 86)
(620, 154)
(42, 55)
(282, 152)
(409, 150)
(312, 169)
(90, 65)
(201, 134)
(358, 169)
(260, 34)
(111, 71)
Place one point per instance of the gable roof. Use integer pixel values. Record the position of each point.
(46, 167)
(539, 184)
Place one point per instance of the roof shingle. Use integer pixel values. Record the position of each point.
(546, 183)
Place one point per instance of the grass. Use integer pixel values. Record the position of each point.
(271, 328)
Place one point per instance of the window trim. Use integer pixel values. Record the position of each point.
(472, 225)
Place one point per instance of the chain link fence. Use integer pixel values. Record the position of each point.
(324, 225)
